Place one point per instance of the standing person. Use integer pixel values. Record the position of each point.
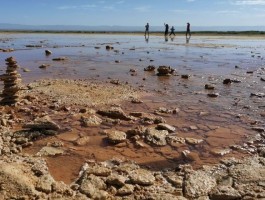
(188, 30)
(172, 31)
(146, 30)
(166, 29)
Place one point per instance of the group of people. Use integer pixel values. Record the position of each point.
(172, 30)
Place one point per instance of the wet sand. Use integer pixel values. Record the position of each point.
(220, 122)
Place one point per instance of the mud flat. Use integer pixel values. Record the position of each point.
(127, 133)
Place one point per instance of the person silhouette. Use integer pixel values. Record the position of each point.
(188, 30)
(172, 31)
(166, 29)
(146, 30)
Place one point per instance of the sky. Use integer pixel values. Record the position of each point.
(133, 12)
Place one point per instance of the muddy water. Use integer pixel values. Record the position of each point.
(220, 122)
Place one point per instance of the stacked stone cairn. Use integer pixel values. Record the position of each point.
(12, 81)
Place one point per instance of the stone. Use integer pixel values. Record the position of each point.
(10, 93)
(150, 68)
(163, 126)
(198, 183)
(44, 123)
(125, 190)
(209, 87)
(259, 94)
(165, 70)
(193, 141)
(116, 180)
(220, 152)
(50, 151)
(59, 59)
(227, 81)
(114, 113)
(116, 136)
(156, 137)
(91, 121)
(213, 95)
(98, 171)
(48, 52)
(45, 183)
(185, 76)
(262, 78)
(142, 177)
(82, 141)
(225, 192)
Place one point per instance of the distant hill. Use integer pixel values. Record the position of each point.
(20, 27)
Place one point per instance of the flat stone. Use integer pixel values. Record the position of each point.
(114, 113)
(198, 183)
(116, 136)
(163, 126)
(45, 183)
(42, 123)
(142, 177)
(50, 151)
(91, 121)
(193, 141)
(225, 192)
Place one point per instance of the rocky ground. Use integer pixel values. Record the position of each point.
(66, 118)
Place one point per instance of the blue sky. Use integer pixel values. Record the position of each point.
(134, 12)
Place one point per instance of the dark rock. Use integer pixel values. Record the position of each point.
(150, 68)
(209, 87)
(227, 81)
(213, 95)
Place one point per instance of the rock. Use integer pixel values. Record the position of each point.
(213, 95)
(136, 101)
(150, 68)
(193, 141)
(198, 183)
(175, 140)
(114, 113)
(220, 152)
(167, 127)
(227, 81)
(59, 59)
(174, 179)
(48, 52)
(91, 121)
(15, 181)
(91, 185)
(250, 171)
(209, 87)
(259, 94)
(43, 66)
(126, 190)
(10, 93)
(98, 171)
(116, 180)
(142, 177)
(258, 129)
(82, 141)
(50, 151)
(108, 47)
(165, 70)
(225, 192)
(185, 76)
(156, 137)
(45, 183)
(116, 136)
(44, 123)
(262, 78)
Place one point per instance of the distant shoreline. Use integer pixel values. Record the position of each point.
(158, 33)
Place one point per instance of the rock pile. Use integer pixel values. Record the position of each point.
(11, 83)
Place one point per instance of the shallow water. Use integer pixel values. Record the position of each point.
(208, 59)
